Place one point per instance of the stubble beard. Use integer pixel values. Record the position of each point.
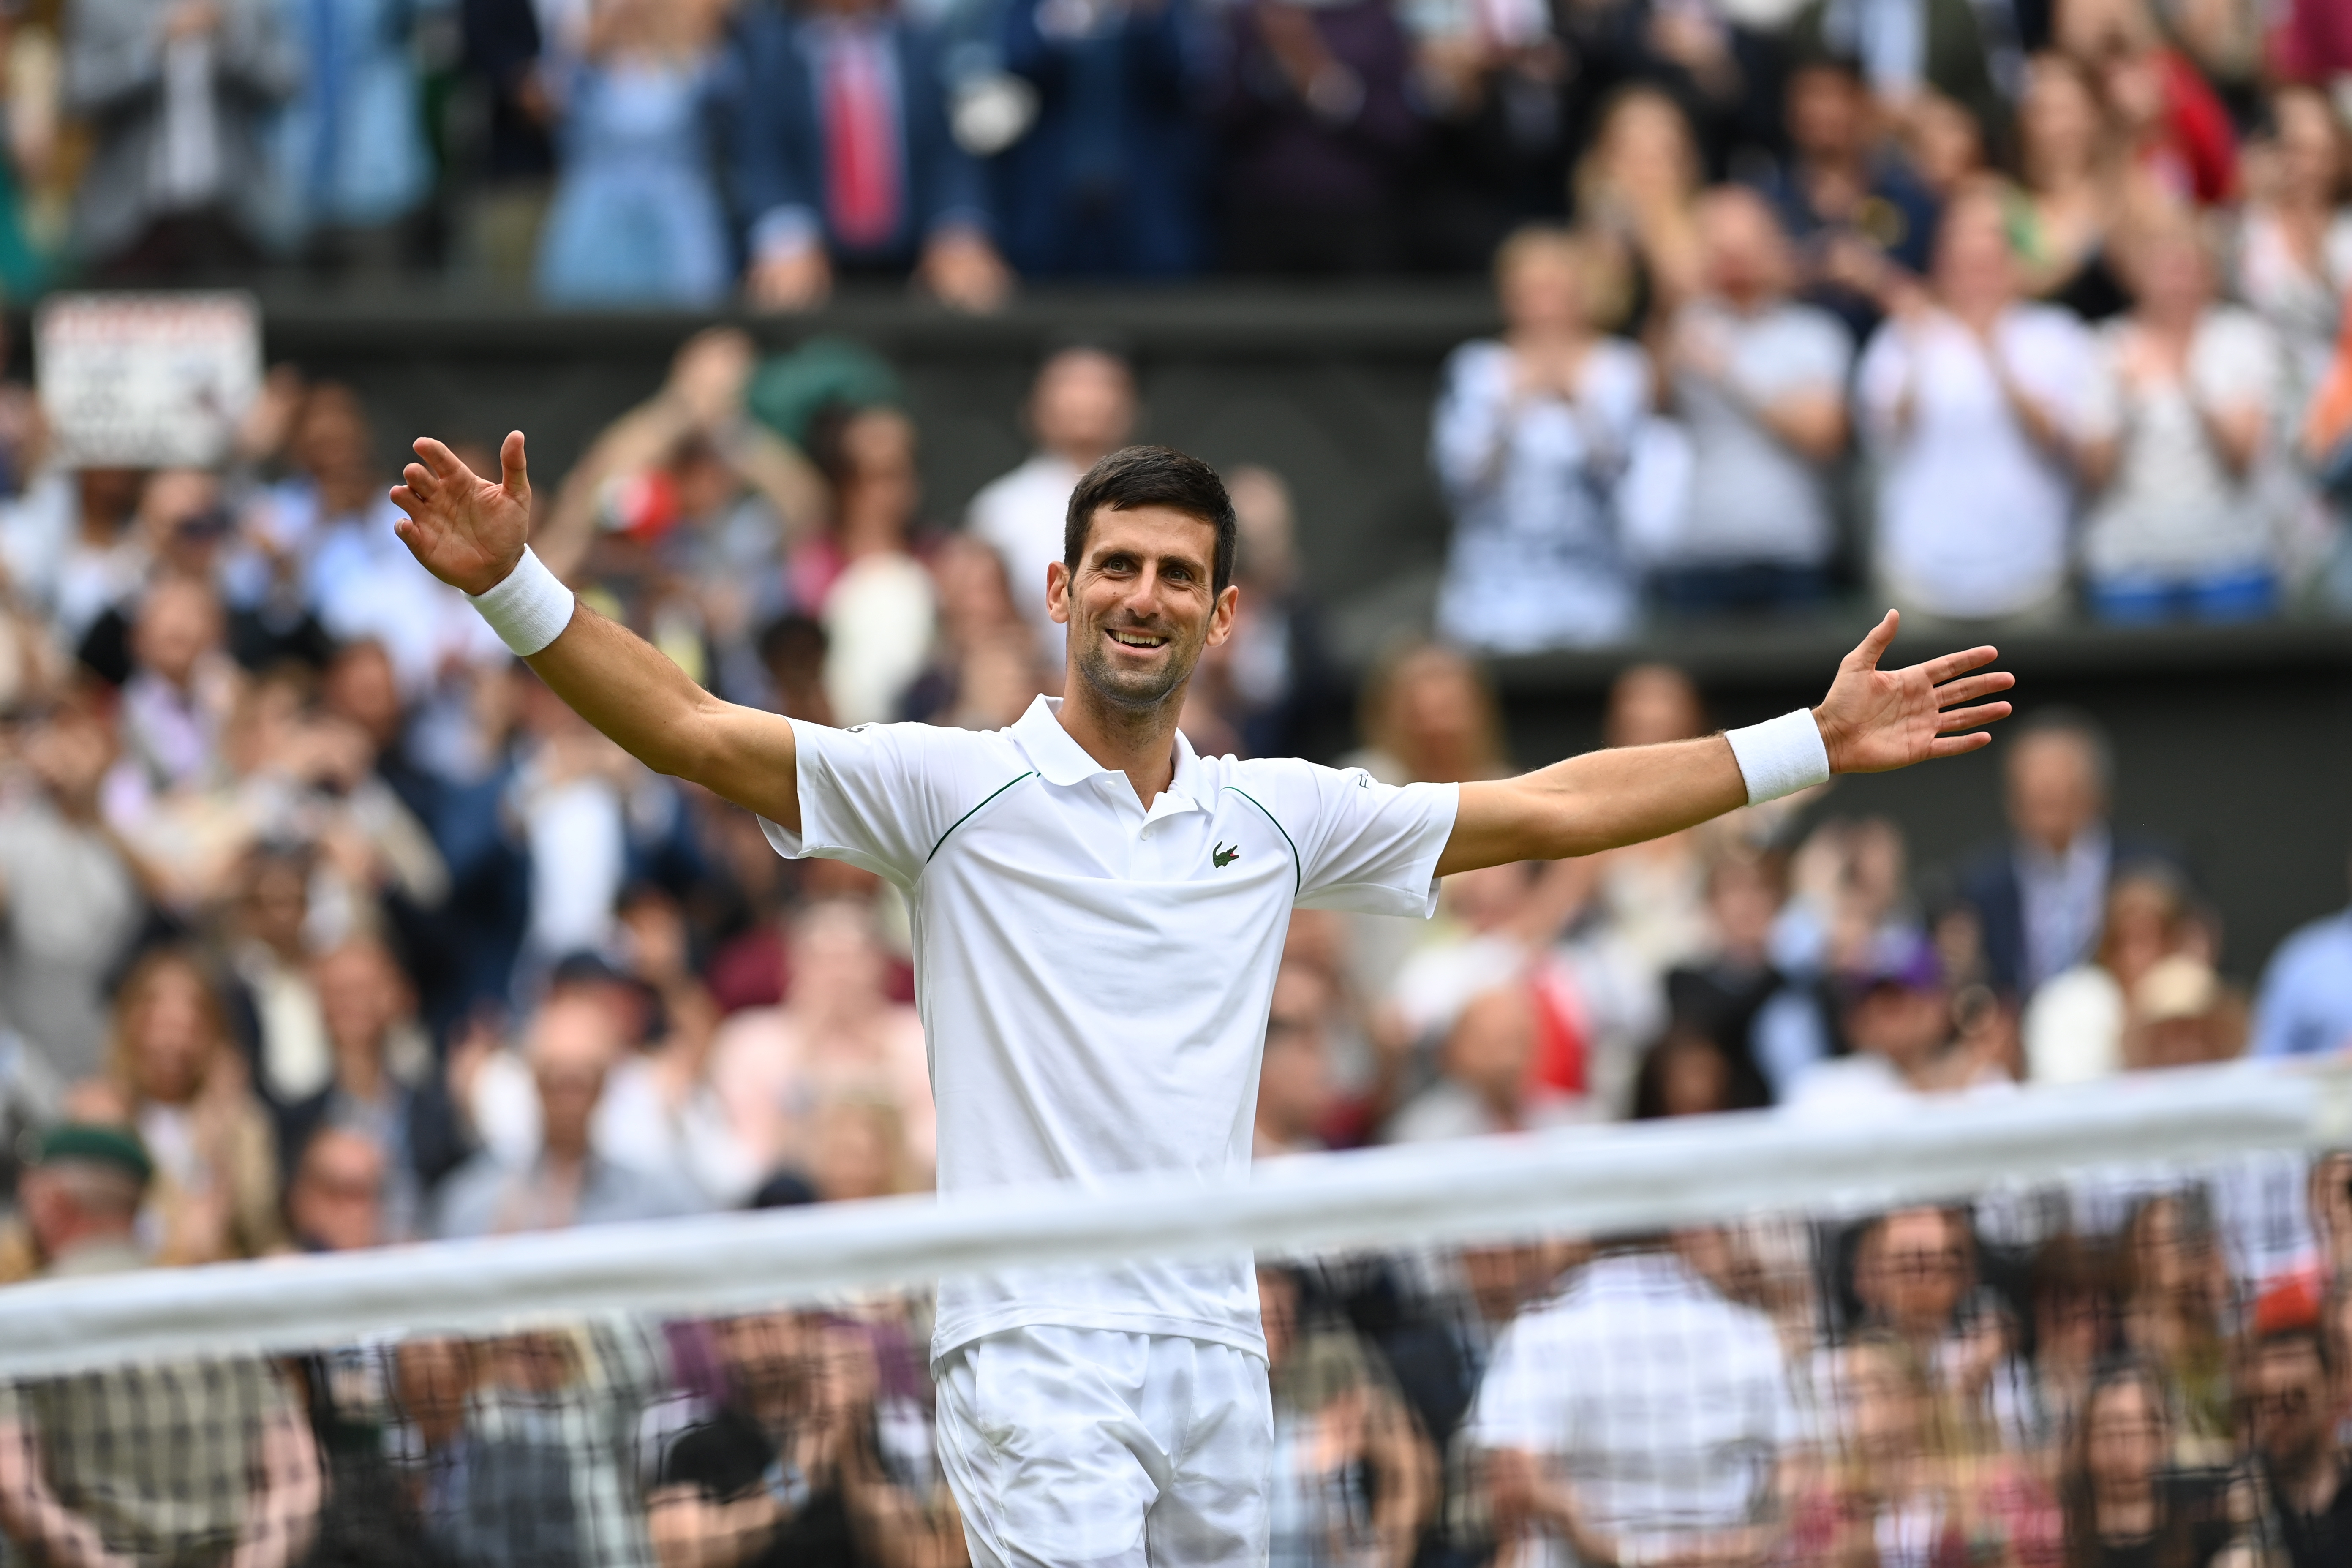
(1136, 693)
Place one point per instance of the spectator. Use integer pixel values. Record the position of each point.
(1861, 219)
(1670, 1439)
(2304, 1006)
(875, 601)
(505, 54)
(843, 161)
(147, 1463)
(1353, 1479)
(2173, 128)
(637, 217)
(177, 189)
(1296, 1095)
(2075, 1024)
(384, 1085)
(1686, 1073)
(2041, 897)
(1977, 403)
(1532, 438)
(2123, 1502)
(73, 897)
(2293, 1396)
(268, 958)
(1109, 179)
(572, 1045)
(1081, 408)
(1429, 716)
(1722, 999)
(985, 670)
(2293, 260)
(2182, 1016)
(2174, 1296)
(1490, 84)
(2073, 186)
(2182, 526)
(1916, 1275)
(1760, 383)
(350, 145)
(1485, 1083)
(1318, 134)
(1898, 1022)
(792, 1466)
(182, 1086)
(334, 1202)
(177, 699)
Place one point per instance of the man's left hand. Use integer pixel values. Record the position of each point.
(1877, 719)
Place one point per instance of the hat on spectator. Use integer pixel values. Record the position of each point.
(1904, 960)
(2290, 1307)
(790, 390)
(85, 1143)
(2175, 987)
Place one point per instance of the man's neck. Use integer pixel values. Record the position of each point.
(1137, 741)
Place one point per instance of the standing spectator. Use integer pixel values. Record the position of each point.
(2182, 526)
(175, 91)
(2293, 259)
(1760, 383)
(843, 160)
(350, 146)
(176, 702)
(182, 1086)
(2074, 185)
(1635, 194)
(860, 576)
(1532, 437)
(573, 1044)
(1667, 1437)
(2040, 897)
(1081, 408)
(70, 894)
(1977, 403)
(268, 954)
(505, 53)
(637, 217)
(1109, 180)
(1318, 134)
(2304, 1006)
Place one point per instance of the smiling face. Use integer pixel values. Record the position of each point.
(1142, 604)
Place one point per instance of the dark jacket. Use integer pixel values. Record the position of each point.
(1990, 886)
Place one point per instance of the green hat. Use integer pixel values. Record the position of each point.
(94, 1144)
(789, 390)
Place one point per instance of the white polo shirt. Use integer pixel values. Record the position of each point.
(1094, 978)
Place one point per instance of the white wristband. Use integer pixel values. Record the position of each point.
(529, 609)
(1781, 756)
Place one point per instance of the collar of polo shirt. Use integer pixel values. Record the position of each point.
(1060, 760)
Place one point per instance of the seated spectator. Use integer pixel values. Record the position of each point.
(384, 1085)
(859, 577)
(1318, 135)
(2292, 1392)
(2124, 1502)
(1532, 437)
(177, 189)
(1635, 194)
(1686, 1073)
(2041, 896)
(1429, 716)
(2074, 1024)
(1296, 1095)
(985, 670)
(1916, 1281)
(1484, 1078)
(637, 217)
(1898, 1022)
(2305, 1004)
(572, 1045)
(145, 1463)
(1081, 408)
(837, 1036)
(334, 1200)
(267, 953)
(1107, 182)
(181, 1084)
(1722, 999)
(2074, 180)
(1758, 381)
(2173, 1291)
(2182, 1016)
(1977, 404)
(71, 895)
(843, 161)
(1861, 219)
(1669, 1440)
(1353, 1479)
(2183, 525)
(2294, 252)
(792, 1467)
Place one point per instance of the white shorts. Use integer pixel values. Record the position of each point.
(1091, 1448)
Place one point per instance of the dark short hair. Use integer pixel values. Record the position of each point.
(1136, 476)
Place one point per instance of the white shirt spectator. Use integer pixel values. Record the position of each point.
(1971, 515)
(1022, 516)
(1752, 497)
(2173, 511)
(1664, 1406)
(1536, 559)
(2301, 305)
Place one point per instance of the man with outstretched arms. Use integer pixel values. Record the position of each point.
(1099, 913)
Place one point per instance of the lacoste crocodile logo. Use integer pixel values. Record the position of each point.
(1221, 856)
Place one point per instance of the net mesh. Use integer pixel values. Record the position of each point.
(2051, 1331)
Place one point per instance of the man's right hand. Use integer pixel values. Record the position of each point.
(466, 529)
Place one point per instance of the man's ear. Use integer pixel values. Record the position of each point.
(1057, 593)
(1221, 617)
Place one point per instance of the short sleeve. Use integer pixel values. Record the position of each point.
(879, 797)
(1519, 1404)
(1807, 350)
(1368, 848)
(2234, 362)
(1882, 379)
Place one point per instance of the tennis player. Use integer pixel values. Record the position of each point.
(1099, 913)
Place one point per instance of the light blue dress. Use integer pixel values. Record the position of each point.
(349, 146)
(636, 218)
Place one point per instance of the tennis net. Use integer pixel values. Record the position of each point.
(1949, 1335)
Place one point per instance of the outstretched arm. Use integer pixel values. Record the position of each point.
(1872, 722)
(470, 532)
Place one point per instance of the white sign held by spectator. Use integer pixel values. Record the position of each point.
(146, 379)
